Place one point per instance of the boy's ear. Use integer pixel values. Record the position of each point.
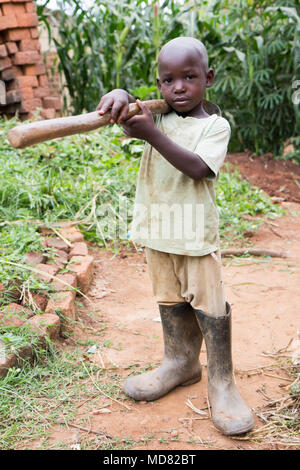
(210, 77)
(158, 84)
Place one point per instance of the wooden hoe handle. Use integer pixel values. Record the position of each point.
(39, 131)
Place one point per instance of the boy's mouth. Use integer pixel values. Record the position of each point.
(181, 101)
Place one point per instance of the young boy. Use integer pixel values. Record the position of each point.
(176, 219)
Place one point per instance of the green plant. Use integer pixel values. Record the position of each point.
(110, 45)
(253, 47)
(255, 54)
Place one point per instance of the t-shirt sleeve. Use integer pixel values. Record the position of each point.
(212, 147)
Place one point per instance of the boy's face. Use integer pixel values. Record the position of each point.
(183, 79)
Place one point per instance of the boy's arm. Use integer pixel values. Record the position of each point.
(143, 127)
(117, 100)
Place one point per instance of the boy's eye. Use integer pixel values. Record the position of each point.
(190, 76)
(167, 80)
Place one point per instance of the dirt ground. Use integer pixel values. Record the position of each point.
(279, 178)
(264, 294)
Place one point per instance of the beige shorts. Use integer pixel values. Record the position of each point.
(194, 279)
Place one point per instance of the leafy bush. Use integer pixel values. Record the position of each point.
(253, 47)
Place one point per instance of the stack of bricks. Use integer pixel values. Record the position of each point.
(66, 266)
(21, 63)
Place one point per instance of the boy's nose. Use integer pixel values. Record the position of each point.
(179, 86)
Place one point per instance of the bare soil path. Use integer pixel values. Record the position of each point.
(264, 294)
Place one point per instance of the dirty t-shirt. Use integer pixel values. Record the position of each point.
(174, 213)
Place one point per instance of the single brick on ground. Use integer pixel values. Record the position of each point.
(46, 272)
(63, 304)
(14, 315)
(45, 325)
(79, 249)
(64, 282)
(58, 243)
(83, 266)
(72, 234)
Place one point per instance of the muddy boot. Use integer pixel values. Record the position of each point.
(229, 412)
(180, 365)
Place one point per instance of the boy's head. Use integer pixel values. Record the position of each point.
(184, 75)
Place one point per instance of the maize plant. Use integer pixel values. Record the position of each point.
(254, 48)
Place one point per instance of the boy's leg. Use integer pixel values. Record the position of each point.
(201, 282)
(181, 333)
(229, 412)
(165, 283)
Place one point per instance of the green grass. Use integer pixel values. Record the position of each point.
(37, 396)
(15, 338)
(242, 207)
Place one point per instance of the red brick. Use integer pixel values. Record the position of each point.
(27, 93)
(27, 20)
(46, 325)
(3, 51)
(40, 69)
(34, 34)
(7, 361)
(83, 266)
(52, 102)
(14, 315)
(30, 8)
(72, 234)
(29, 45)
(11, 47)
(30, 105)
(41, 301)
(62, 303)
(36, 69)
(79, 249)
(43, 80)
(15, 359)
(28, 57)
(56, 242)
(5, 63)
(26, 81)
(10, 9)
(7, 22)
(33, 258)
(50, 270)
(11, 73)
(60, 259)
(30, 70)
(69, 282)
(17, 34)
(41, 92)
(48, 113)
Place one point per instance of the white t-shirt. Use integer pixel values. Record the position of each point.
(174, 213)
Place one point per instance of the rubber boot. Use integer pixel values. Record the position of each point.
(229, 413)
(180, 365)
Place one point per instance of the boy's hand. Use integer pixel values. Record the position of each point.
(140, 126)
(117, 101)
